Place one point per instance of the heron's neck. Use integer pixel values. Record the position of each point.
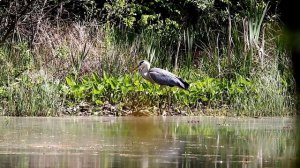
(144, 71)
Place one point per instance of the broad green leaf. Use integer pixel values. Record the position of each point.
(70, 82)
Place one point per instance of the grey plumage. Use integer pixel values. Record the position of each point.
(161, 76)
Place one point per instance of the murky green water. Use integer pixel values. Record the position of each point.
(146, 142)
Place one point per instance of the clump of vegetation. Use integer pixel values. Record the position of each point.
(235, 97)
(32, 95)
(232, 54)
(25, 91)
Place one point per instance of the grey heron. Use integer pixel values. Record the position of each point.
(160, 76)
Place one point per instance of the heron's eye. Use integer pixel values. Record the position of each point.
(141, 63)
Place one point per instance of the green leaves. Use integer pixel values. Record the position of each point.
(2, 91)
(132, 88)
(70, 81)
(255, 22)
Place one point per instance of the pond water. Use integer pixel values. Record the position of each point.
(146, 142)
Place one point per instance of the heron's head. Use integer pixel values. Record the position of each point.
(144, 64)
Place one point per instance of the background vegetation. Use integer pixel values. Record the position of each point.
(57, 54)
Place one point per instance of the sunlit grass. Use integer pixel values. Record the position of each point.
(32, 95)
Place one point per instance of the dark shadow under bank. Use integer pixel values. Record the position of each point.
(289, 15)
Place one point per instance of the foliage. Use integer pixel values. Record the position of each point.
(31, 95)
(19, 19)
(25, 91)
(163, 15)
(14, 60)
(229, 51)
(205, 93)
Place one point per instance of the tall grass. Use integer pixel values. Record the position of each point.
(32, 95)
(24, 90)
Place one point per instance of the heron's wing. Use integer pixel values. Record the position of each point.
(164, 77)
(162, 71)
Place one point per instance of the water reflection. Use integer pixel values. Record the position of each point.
(146, 142)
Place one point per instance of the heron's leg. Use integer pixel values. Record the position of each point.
(159, 104)
(167, 103)
(169, 99)
(163, 100)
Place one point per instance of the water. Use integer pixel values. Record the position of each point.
(146, 142)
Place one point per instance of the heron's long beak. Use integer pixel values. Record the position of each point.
(134, 68)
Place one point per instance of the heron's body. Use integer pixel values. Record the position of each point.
(161, 76)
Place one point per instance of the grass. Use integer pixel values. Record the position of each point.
(26, 91)
(31, 94)
(90, 62)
